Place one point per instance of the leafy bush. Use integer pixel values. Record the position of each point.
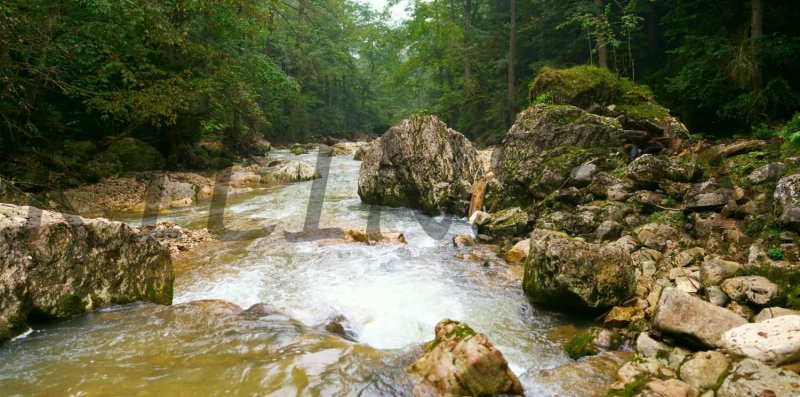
(776, 254)
(792, 131)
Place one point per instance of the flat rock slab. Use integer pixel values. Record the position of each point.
(685, 315)
(775, 341)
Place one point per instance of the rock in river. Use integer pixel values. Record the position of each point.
(567, 273)
(420, 163)
(461, 362)
(56, 266)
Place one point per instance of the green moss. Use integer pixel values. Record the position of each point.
(721, 378)
(459, 332)
(631, 389)
(662, 354)
(672, 218)
(581, 344)
(133, 155)
(70, 305)
(776, 254)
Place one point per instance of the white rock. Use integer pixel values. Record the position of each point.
(775, 341)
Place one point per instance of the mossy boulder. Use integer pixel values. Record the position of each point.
(131, 154)
(592, 341)
(57, 266)
(461, 362)
(543, 147)
(599, 91)
(572, 275)
(506, 223)
(420, 163)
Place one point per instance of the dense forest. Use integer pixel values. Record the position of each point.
(175, 73)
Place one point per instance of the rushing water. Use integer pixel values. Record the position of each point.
(391, 295)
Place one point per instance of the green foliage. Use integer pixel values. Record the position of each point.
(630, 389)
(791, 132)
(775, 253)
(543, 98)
(672, 218)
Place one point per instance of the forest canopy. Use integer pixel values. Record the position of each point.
(175, 72)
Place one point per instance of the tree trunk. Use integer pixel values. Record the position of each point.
(756, 33)
(467, 43)
(512, 86)
(303, 17)
(602, 49)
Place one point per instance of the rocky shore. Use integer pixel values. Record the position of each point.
(687, 252)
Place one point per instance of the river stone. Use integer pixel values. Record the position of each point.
(519, 252)
(697, 320)
(288, 171)
(787, 196)
(461, 362)
(361, 153)
(420, 163)
(715, 269)
(753, 378)
(463, 240)
(569, 274)
(649, 170)
(57, 266)
(703, 369)
(775, 341)
(543, 147)
(755, 289)
(772, 312)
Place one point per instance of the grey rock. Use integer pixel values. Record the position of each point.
(569, 274)
(699, 321)
(753, 378)
(787, 196)
(706, 196)
(649, 170)
(703, 369)
(716, 296)
(769, 172)
(772, 312)
(608, 230)
(715, 269)
(420, 163)
(582, 175)
(755, 289)
(107, 263)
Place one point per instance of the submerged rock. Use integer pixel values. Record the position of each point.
(57, 266)
(420, 163)
(775, 341)
(461, 362)
(568, 274)
(693, 318)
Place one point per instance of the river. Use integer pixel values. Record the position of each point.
(391, 295)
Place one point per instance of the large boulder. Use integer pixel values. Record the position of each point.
(56, 266)
(787, 195)
(506, 223)
(775, 341)
(570, 274)
(543, 147)
(461, 362)
(599, 91)
(420, 163)
(698, 321)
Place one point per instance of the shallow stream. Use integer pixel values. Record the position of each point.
(391, 295)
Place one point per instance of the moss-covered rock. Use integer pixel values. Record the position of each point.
(66, 265)
(568, 274)
(590, 342)
(542, 148)
(599, 91)
(462, 362)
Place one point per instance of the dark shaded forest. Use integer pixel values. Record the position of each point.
(76, 76)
